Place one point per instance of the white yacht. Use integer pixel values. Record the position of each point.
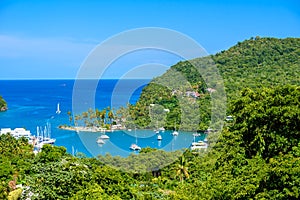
(162, 129)
(100, 141)
(159, 137)
(175, 133)
(43, 136)
(198, 145)
(135, 147)
(104, 137)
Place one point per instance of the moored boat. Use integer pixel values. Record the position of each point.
(159, 137)
(135, 147)
(100, 141)
(198, 145)
(162, 129)
(58, 109)
(104, 137)
(175, 133)
(43, 136)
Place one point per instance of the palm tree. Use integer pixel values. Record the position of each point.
(85, 117)
(110, 116)
(98, 116)
(70, 117)
(103, 116)
(182, 169)
(77, 118)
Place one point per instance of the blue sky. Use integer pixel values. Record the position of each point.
(51, 39)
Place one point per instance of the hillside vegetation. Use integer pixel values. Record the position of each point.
(254, 63)
(259, 62)
(257, 155)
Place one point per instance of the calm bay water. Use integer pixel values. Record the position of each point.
(33, 103)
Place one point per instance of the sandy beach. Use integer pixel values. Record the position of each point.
(90, 129)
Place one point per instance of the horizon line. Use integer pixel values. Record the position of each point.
(41, 79)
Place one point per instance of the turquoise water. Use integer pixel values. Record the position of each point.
(120, 141)
(33, 103)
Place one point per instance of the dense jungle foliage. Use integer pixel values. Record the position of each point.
(257, 155)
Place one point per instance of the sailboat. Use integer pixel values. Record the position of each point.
(58, 110)
(175, 133)
(157, 129)
(135, 147)
(44, 137)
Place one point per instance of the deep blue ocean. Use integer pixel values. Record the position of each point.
(33, 103)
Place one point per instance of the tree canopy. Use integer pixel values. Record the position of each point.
(257, 154)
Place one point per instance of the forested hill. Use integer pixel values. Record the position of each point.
(3, 105)
(259, 62)
(256, 156)
(254, 63)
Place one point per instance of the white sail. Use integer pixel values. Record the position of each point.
(58, 109)
(37, 132)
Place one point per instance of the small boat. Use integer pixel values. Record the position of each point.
(100, 141)
(198, 145)
(175, 133)
(159, 137)
(45, 141)
(129, 129)
(44, 136)
(58, 110)
(104, 137)
(156, 131)
(48, 141)
(208, 131)
(135, 147)
(162, 129)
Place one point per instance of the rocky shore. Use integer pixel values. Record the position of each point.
(2, 109)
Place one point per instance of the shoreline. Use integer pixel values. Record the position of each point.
(88, 129)
(119, 128)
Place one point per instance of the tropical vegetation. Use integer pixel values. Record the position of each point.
(193, 89)
(103, 119)
(254, 156)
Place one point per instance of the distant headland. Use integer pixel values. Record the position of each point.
(3, 105)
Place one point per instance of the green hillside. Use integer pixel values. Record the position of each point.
(257, 156)
(259, 62)
(254, 63)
